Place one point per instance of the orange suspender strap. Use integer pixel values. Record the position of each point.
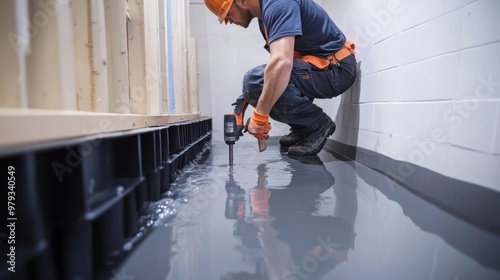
(322, 63)
(344, 52)
(319, 62)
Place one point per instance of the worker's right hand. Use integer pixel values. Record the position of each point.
(258, 125)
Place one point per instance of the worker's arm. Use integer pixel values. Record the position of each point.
(277, 73)
(276, 78)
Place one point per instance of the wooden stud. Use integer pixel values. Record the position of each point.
(66, 53)
(193, 77)
(14, 50)
(162, 30)
(179, 56)
(50, 65)
(117, 46)
(90, 56)
(152, 57)
(137, 61)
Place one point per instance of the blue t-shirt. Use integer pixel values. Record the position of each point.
(315, 32)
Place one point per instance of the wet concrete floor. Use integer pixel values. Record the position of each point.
(272, 216)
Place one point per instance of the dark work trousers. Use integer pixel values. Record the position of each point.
(295, 107)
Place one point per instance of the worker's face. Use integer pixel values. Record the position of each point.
(239, 15)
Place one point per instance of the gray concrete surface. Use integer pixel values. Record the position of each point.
(271, 216)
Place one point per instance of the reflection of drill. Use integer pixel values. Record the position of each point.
(235, 210)
(234, 127)
(235, 201)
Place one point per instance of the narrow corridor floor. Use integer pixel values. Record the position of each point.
(272, 216)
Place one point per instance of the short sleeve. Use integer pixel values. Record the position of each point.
(282, 18)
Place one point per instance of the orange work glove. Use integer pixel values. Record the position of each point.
(258, 125)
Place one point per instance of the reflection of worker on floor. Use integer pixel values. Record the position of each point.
(235, 210)
(296, 242)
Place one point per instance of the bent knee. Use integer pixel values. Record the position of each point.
(253, 82)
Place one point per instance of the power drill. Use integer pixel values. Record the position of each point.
(233, 125)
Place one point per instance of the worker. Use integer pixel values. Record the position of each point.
(309, 58)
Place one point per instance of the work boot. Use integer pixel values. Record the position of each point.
(289, 139)
(314, 142)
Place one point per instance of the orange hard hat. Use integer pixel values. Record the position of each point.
(219, 7)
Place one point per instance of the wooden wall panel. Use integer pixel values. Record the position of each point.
(75, 63)
(13, 48)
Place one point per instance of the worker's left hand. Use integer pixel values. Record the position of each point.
(258, 125)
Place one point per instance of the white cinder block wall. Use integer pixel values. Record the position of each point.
(428, 89)
(429, 84)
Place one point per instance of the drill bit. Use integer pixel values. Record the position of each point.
(231, 155)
